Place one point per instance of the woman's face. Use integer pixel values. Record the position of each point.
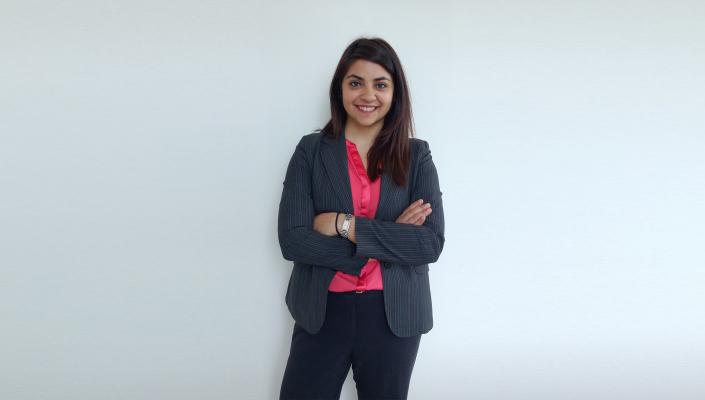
(367, 93)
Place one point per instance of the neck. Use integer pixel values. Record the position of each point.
(362, 136)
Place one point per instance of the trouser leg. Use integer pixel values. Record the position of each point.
(318, 364)
(382, 362)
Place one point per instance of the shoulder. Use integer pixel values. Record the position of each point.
(308, 143)
(311, 140)
(420, 149)
(417, 144)
(308, 146)
(313, 137)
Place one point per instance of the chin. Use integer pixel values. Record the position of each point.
(367, 124)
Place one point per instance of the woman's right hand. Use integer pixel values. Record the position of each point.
(415, 214)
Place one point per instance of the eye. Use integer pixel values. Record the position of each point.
(384, 85)
(353, 82)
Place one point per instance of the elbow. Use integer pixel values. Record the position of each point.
(292, 242)
(284, 245)
(432, 243)
(437, 248)
(286, 254)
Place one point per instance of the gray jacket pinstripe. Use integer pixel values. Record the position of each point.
(317, 181)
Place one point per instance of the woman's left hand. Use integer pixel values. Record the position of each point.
(324, 223)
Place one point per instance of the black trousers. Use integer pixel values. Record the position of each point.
(354, 332)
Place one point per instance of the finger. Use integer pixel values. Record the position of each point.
(409, 218)
(408, 212)
(404, 215)
(422, 210)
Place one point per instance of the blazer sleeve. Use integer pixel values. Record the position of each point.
(407, 243)
(297, 238)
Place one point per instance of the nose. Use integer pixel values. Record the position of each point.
(368, 95)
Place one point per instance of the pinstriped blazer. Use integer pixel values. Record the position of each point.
(317, 181)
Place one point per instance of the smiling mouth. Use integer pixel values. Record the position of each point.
(366, 109)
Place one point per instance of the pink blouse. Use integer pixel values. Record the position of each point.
(365, 195)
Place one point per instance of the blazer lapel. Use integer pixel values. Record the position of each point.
(334, 155)
(335, 161)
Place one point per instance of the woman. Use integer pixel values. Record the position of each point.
(361, 217)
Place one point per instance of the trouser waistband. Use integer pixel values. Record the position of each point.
(366, 293)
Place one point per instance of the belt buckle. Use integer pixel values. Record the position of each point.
(359, 291)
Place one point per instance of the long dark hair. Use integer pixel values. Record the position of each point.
(391, 147)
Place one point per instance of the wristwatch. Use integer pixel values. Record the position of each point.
(346, 225)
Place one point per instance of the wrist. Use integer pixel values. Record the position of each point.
(346, 225)
(351, 230)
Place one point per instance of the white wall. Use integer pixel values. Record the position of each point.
(143, 147)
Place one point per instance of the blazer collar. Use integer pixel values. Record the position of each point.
(334, 155)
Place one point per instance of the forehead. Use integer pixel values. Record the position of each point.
(367, 70)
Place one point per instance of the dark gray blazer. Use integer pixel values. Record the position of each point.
(317, 181)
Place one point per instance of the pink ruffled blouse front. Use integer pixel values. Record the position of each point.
(365, 195)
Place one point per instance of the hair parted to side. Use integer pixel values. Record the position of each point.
(392, 146)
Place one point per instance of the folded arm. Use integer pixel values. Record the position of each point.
(407, 243)
(297, 238)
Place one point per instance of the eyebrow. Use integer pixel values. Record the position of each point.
(381, 78)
